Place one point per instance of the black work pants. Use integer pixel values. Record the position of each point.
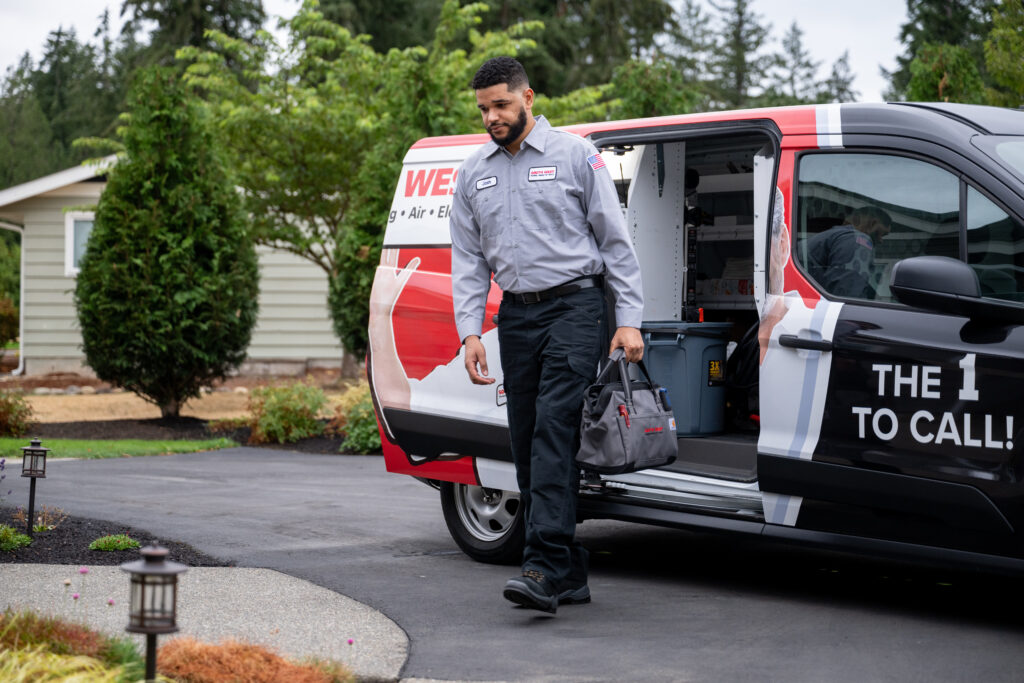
(549, 355)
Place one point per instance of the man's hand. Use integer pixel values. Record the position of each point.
(629, 340)
(476, 356)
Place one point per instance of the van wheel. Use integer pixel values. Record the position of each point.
(487, 524)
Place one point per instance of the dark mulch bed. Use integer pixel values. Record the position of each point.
(69, 544)
(181, 428)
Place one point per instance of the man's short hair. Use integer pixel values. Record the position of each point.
(865, 213)
(500, 70)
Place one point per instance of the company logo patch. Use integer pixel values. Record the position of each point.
(653, 430)
(484, 183)
(542, 173)
(500, 397)
(595, 161)
(672, 424)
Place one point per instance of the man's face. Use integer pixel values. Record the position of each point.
(505, 112)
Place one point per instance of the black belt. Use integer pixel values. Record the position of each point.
(570, 287)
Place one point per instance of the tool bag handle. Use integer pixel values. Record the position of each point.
(617, 359)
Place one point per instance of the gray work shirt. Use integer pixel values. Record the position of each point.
(536, 220)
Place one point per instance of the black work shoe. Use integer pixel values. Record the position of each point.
(578, 595)
(532, 590)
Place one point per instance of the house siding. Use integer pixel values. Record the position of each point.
(293, 331)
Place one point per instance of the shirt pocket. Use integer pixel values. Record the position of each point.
(487, 205)
(544, 205)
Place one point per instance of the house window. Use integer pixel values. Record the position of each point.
(77, 227)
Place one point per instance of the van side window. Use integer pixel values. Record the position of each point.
(995, 248)
(858, 214)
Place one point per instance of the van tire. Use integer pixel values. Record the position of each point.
(487, 524)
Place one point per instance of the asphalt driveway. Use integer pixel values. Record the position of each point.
(668, 605)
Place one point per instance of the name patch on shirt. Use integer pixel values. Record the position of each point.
(484, 183)
(542, 173)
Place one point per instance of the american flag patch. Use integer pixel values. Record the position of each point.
(595, 161)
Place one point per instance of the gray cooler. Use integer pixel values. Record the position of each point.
(688, 359)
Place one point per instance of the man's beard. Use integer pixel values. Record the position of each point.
(514, 130)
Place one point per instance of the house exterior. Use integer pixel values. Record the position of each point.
(293, 333)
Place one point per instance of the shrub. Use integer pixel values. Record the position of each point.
(187, 659)
(11, 539)
(30, 630)
(354, 417)
(8, 321)
(115, 542)
(10, 267)
(15, 414)
(37, 664)
(166, 295)
(285, 414)
(48, 519)
(60, 641)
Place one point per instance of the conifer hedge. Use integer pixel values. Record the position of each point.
(167, 291)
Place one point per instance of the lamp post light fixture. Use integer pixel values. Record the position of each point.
(33, 465)
(153, 604)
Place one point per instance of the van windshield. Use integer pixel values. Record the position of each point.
(1007, 150)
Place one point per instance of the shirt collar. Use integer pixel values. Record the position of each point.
(536, 138)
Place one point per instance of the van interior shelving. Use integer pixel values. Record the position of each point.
(689, 207)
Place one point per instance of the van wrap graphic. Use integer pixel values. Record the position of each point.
(791, 420)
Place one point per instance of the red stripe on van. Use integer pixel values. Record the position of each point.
(460, 471)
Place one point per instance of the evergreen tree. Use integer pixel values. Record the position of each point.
(583, 41)
(795, 71)
(389, 23)
(1004, 49)
(945, 73)
(27, 150)
(66, 83)
(838, 87)
(691, 43)
(177, 23)
(961, 23)
(166, 294)
(739, 64)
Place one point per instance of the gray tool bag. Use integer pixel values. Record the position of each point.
(627, 424)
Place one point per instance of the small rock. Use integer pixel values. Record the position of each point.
(72, 390)
(42, 391)
(241, 390)
(205, 390)
(88, 390)
(104, 390)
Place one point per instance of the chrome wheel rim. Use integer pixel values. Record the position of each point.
(487, 514)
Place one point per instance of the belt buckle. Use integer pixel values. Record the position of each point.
(531, 297)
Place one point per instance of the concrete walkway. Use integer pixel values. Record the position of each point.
(295, 618)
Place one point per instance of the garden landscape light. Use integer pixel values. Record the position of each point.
(33, 465)
(153, 603)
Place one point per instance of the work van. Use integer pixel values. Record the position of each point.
(834, 298)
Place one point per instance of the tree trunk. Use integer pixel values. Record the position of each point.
(170, 408)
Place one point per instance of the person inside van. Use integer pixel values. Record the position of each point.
(842, 258)
(537, 208)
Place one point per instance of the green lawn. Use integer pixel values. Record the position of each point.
(80, 448)
(11, 346)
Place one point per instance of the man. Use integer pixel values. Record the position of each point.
(536, 208)
(842, 258)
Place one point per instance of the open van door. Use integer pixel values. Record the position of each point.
(902, 416)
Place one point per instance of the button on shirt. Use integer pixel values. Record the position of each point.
(536, 220)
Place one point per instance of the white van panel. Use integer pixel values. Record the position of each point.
(423, 198)
(655, 222)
